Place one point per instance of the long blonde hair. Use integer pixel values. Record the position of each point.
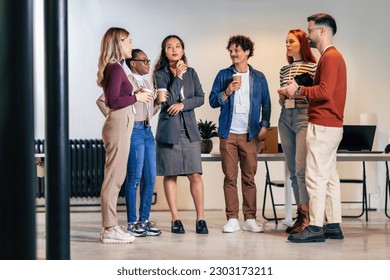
(110, 50)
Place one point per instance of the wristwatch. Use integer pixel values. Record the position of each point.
(298, 92)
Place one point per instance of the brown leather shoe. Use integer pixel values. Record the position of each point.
(297, 222)
(303, 223)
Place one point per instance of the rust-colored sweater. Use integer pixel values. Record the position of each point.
(327, 96)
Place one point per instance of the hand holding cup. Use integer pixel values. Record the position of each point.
(162, 95)
(144, 95)
(237, 78)
(235, 84)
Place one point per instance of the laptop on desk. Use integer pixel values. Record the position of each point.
(358, 139)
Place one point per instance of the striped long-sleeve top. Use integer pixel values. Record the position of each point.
(288, 72)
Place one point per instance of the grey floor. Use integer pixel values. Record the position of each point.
(362, 241)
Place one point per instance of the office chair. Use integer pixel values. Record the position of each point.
(387, 150)
(363, 201)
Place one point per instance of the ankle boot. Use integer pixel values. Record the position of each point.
(303, 223)
(297, 221)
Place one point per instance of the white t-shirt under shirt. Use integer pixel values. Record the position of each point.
(240, 120)
(140, 110)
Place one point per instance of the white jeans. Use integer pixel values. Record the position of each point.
(322, 179)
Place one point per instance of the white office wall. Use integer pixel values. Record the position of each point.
(205, 27)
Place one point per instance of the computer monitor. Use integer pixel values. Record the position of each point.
(357, 138)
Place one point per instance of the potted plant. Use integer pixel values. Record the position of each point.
(207, 130)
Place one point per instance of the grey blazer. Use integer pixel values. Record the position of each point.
(168, 127)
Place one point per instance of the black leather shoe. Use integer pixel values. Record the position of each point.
(333, 232)
(289, 229)
(177, 227)
(309, 234)
(201, 227)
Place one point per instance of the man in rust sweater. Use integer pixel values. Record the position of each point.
(326, 112)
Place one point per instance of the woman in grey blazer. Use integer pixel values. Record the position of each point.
(177, 135)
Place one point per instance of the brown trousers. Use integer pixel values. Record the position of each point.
(116, 137)
(237, 149)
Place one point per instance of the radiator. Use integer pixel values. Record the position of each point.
(87, 158)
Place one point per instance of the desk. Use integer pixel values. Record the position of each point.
(260, 157)
(287, 189)
(340, 157)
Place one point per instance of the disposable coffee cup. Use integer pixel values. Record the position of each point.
(40, 167)
(161, 94)
(161, 91)
(147, 90)
(237, 77)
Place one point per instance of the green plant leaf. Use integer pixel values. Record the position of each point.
(207, 129)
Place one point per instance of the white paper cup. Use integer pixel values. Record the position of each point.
(147, 90)
(237, 77)
(161, 95)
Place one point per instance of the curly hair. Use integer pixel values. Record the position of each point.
(244, 42)
(134, 54)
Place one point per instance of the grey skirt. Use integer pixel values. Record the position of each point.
(179, 159)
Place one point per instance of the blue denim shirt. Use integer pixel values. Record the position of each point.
(260, 103)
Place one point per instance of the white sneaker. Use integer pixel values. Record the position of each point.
(253, 226)
(232, 225)
(118, 235)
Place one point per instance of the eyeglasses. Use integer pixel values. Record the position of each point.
(145, 61)
(309, 30)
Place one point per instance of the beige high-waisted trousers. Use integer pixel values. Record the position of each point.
(322, 179)
(116, 137)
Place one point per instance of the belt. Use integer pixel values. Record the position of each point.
(145, 122)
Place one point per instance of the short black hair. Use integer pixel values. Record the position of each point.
(324, 19)
(134, 53)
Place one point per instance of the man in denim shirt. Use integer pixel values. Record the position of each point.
(245, 110)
